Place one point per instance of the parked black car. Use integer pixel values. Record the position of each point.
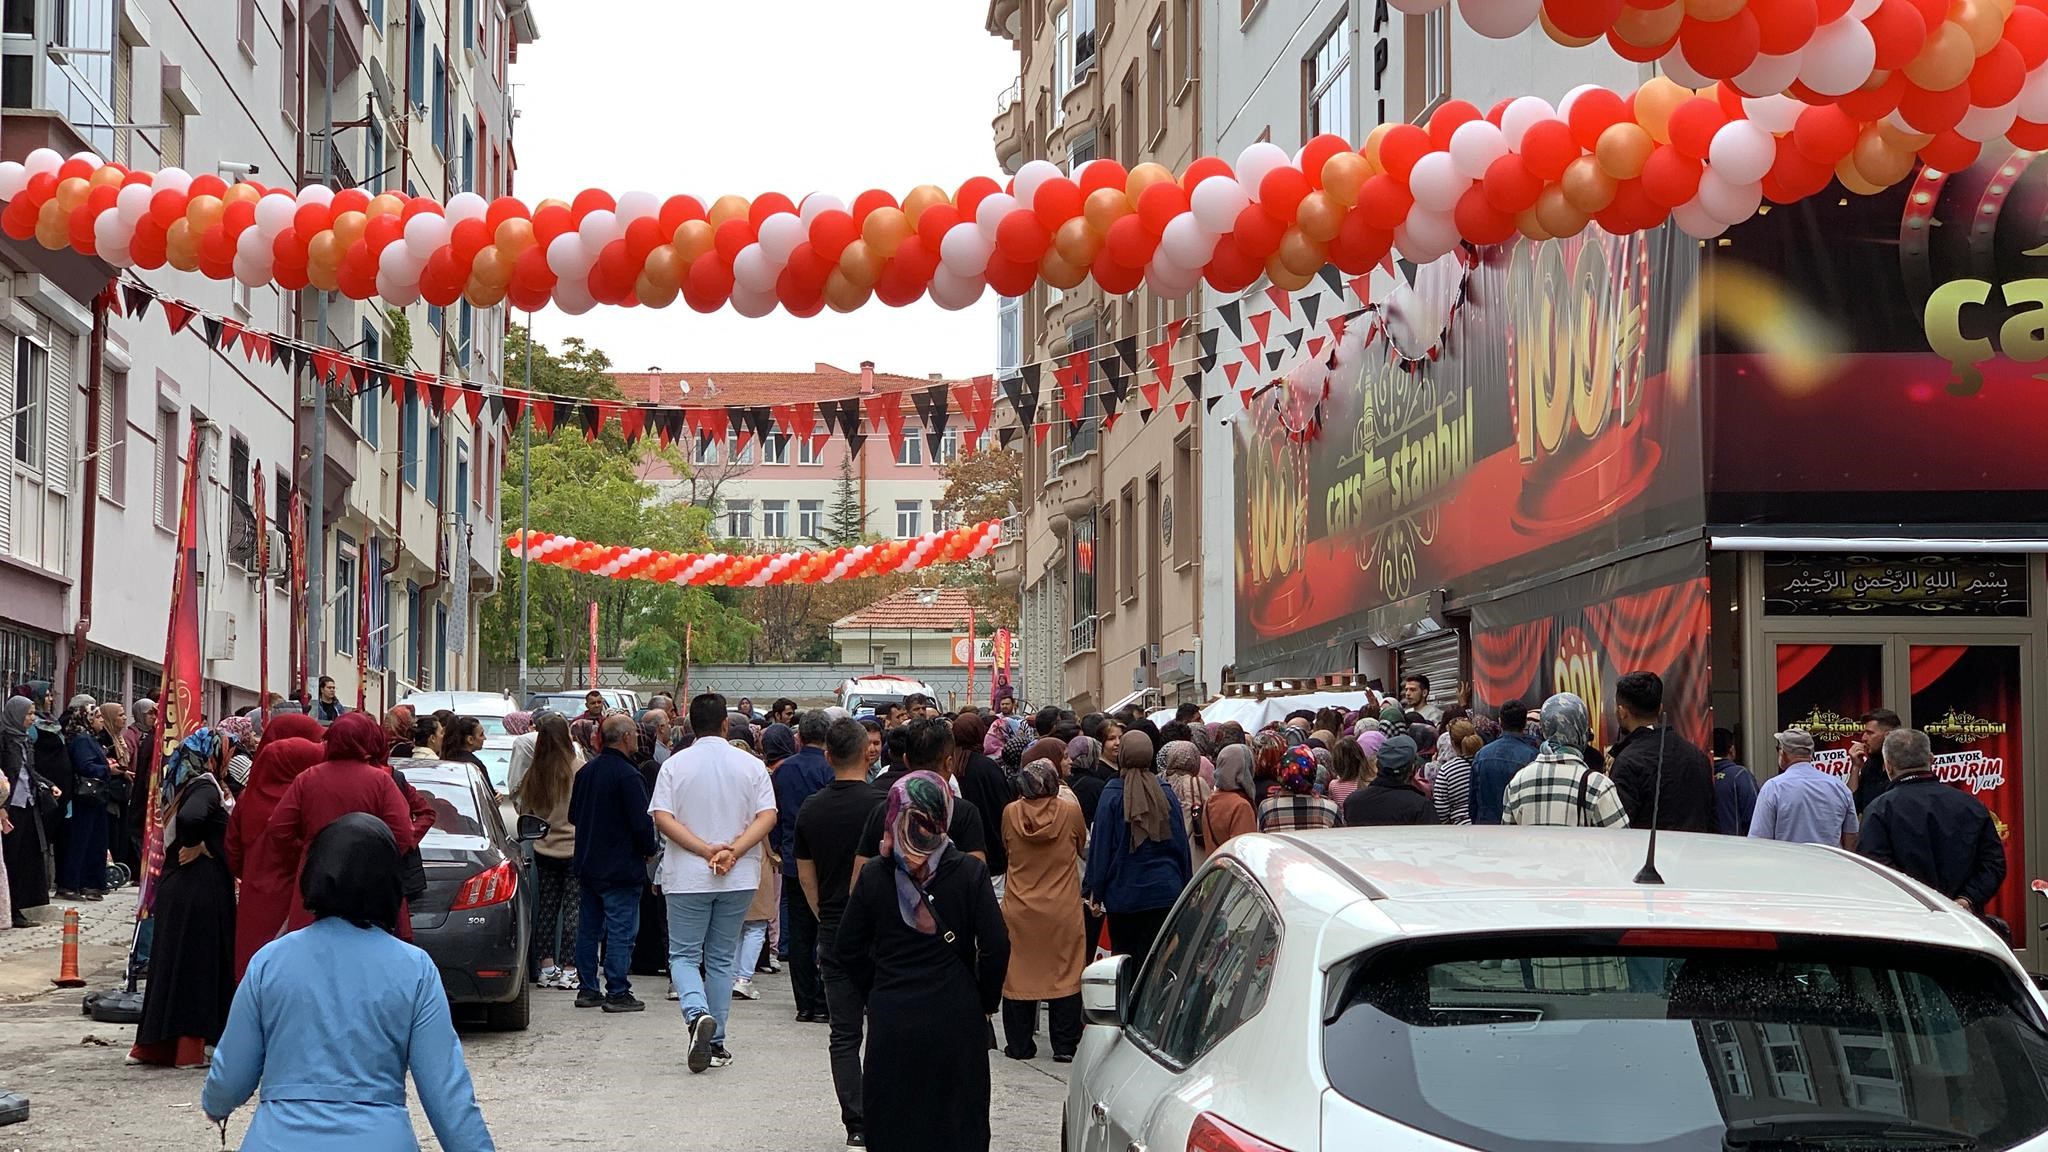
(474, 920)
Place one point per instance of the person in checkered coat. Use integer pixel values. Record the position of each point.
(1559, 787)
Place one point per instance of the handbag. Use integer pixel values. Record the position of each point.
(952, 941)
(91, 790)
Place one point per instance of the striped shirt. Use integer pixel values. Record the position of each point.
(1289, 813)
(1451, 790)
(1546, 791)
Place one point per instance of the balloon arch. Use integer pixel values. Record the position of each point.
(1760, 99)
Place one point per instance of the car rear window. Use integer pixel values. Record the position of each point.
(455, 808)
(492, 725)
(1686, 1041)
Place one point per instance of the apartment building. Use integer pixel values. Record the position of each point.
(1108, 575)
(241, 88)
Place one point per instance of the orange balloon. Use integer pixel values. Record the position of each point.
(203, 211)
(1531, 225)
(1981, 20)
(1648, 27)
(1059, 273)
(841, 294)
(71, 192)
(1076, 243)
(922, 197)
(514, 235)
(492, 267)
(1945, 58)
(653, 294)
(861, 264)
(1144, 176)
(1287, 278)
(1104, 207)
(1371, 149)
(884, 229)
(324, 251)
(1558, 215)
(325, 279)
(1656, 100)
(1854, 180)
(108, 174)
(348, 227)
(1585, 186)
(53, 228)
(181, 246)
(1301, 255)
(665, 269)
(1560, 36)
(551, 202)
(1900, 140)
(727, 208)
(1623, 149)
(1343, 175)
(1878, 162)
(236, 193)
(385, 204)
(694, 238)
(486, 295)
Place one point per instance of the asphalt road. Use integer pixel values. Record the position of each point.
(575, 1079)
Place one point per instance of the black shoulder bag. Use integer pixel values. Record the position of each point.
(953, 942)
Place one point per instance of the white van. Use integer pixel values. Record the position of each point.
(875, 693)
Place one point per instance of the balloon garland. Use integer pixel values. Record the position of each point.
(1787, 95)
(753, 571)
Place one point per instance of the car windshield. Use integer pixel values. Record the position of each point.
(493, 725)
(497, 766)
(455, 809)
(1689, 1042)
(874, 702)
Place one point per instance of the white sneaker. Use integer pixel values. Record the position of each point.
(567, 980)
(672, 994)
(550, 977)
(744, 989)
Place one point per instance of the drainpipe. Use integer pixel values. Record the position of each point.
(867, 388)
(89, 518)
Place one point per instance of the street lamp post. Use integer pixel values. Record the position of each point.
(525, 500)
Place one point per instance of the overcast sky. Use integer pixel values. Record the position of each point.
(797, 96)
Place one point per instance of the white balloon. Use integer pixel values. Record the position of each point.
(254, 271)
(2033, 101)
(424, 233)
(637, 205)
(1425, 236)
(1770, 75)
(121, 257)
(1168, 280)
(1727, 201)
(1839, 58)
(92, 158)
(753, 269)
(1773, 114)
(1676, 67)
(1216, 203)
(818, 202)
(1499, 19)
(131, 203)
(573, 296)
(988, 215)
(1742, 152)
(952, 291)
(13, 178)
(1417, 7)
(273, 212)
(466, 206)
(1436, 183)
(1987, 124)
(251, 242)
(1476, 144)
(1033, 174)
(599, 228)
(1255, 162)
(177, 180)
(1696, 221)
(311, 194)
(43, 160)
(965, 251)
(780, 233)
(399, 263)
(567, 256)
(397, 292)
(1186, 242)
(108, 229)
(751, 304)
(1522, 114)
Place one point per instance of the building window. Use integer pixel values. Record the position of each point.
(344, 594)
(942, 519)
(1080, 150)
(738, 451)
(281, 520)
(809, 450)
(1127, 125)
(1084, 38)
(245, 27)
(949, 446)
(1429, 63)
(1062, 63)
(434, 461)
(739, 519)
(1128, 545)
(167, 467)
(810, 519)
(1185, 478)
(370, 420)
(418, 55)
(909, 520)
(377, 16)
(775, 519)
(468, 161)
(465, 333)
(409, 440)
(288, 57)
(31, 401)
(373, 157)
(437, 319)
(1009, 336)
(911, 450)
(1155, 80)
(415, 652)
(1245, 8)
(1185, 43)
(705, 452)
(461, 483)
(1327, 83)
(775, 449)
(114, 438)
(1105, 555)
(437, 103)
(469, 23)
(1083, 560)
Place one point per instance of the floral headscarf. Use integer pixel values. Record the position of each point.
(1566, 725)
(1039, 780)
(992, 741)
(518, 723)
(1082, 754)
(1267, 750)
(1298, 771)
(200, 749)
(236, 730)
(915, 836)
(1179, 758)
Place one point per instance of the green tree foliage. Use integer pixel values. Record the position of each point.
(984, 485)
(849, 520)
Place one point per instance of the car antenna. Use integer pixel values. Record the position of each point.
(1649, 873)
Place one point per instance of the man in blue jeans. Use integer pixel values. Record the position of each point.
(713, 804)
(608, 806)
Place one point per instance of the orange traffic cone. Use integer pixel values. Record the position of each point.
(67, 964)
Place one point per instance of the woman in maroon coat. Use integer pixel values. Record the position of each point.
(353, 778)
(267, 886)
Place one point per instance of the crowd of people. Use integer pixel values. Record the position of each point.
(921, 875)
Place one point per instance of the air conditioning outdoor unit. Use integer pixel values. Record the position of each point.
(280, 555)
(220, 635)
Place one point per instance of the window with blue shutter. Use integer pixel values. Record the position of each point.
(468, 156)
(437, 97)
(465, 323)
(372, 417)
(419, 52)
(461, 483)
(409, 440)
(434, 461)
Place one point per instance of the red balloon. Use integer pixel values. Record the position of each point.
(1103, 174)
(1670, 178)
(1595, 111)
(897, 287)
(1796, 173)
(972, 193)
(1950, 152)
(936, 221)
(289, 279)
(1021, 237)
(1551, 145)
(870, 200)
(642, 236)
(831, 231)
(1448, 117)
(1583, 17)
(1383, 202)
(1996, 78)
(1282, 192)
(287, 248)
(1639, 55)
(1480, 222)
(204, 184)
(237, 216)
(765, 205)
(79, 225)
(1316, 153)
(381, 231)
(18, 220)
(1498, 111)
(1636, 205)
(917, 259)
(147, 246)
(1113, 277)
(1693, 125)
(590, 200)
(1127, 243)
(1934, 111)
(82, 168)
(1357, 247)
(166, 207)
(440, 284)
(1824, 135)
(2025, 133)
(1829, 11)
(1509, 185)
(512, 208)
(1899, 32)
(730, 237)
(1159, 204)
(1230, 264)
(708, 283)
(355, 283)
(1257, 232)
(1720, 48)
(797, 292)
(1057, 201)
(1207, 166)
(1400, 148)
(2027, 30)
(214, 243)
(549, 223)
(1784, 26)
(346, 200)
(1932, 13)
(1867, 104)
(1009, 278)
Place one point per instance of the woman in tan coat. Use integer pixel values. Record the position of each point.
(1044, 834)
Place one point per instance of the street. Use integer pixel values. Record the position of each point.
(572, 1080)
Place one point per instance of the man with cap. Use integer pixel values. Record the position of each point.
(1802, 804)
(1392, 796)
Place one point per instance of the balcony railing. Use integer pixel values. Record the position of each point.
(1010, 95)
(1081, 636)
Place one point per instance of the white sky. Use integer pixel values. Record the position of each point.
(794, 96)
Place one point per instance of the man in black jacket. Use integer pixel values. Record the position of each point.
(1941, 836)
(1391, 797)
(1688, 801)
(614, 838)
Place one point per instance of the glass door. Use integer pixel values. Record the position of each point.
(1825, 687)
(1967, 697)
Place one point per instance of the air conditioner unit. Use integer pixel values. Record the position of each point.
(220, 635)
(280, 553)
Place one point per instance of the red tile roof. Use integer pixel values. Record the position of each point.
(903, 610)
(717, 389)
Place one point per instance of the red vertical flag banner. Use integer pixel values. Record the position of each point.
(183, 691)
(256, 495)
(362, 626)
(299, 592)
(971, 642)
(593, 643)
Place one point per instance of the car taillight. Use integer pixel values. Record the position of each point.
(1213, 1135)
(1698, 938)
(491, 886)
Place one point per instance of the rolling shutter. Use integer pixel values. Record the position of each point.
(1434, 656)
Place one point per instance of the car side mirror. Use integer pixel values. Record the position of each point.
(1105, 990)
(531, 827)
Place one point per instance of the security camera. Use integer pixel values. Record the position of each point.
(237, 169)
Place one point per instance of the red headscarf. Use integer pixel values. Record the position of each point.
(290, 726)
(278, 763)
(359, 737)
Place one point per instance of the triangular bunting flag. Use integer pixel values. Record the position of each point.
(1119, 377)
(1315, 347)
(1281, 300)
(1193, 382)
(563, 410)
(936, 414)
(1250, 352)
(1244, 396)
(1294, 339)
(763, 423)
(593, 420)
(515, 405)
(1174, 328)
(1144, 415)
(1332, 276)
(1206, 341)
(742, 432)
(1150, 390)
(1311, 305)
(1262, 324)
(212, 327)
(885, 411)
(1023, 391)
(632, 422)
(544, 418)
(325, 362)
(231, 335)
(1338, 324)
(138, 299)
(473, 399)
(1109, 422)
(1361, 287)
(1180, 410)
(1231, 370)
(1073, 380)
(1005, 434)
(1273, 359)
(1038, 432)
(1233, 314)
(843, 417)
(1127, 351)
(176, 315)
(1209, 405)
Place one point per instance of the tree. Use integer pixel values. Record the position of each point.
(849, 520)
(980, 486)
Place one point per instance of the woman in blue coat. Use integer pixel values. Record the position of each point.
(329, 1018)
(82, 865)
(1137, 850)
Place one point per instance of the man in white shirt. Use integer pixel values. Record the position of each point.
(713, 805)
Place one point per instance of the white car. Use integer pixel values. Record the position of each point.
(1513, 990)
(488, 708)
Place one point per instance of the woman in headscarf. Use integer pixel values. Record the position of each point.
(1045, 836)
(192, 954)
(82, 868)
(1013, 752)
(1451, 789)
(1229, 812)
(1137, 850)
(266, 891)
(1391, 715)
(994, 736)
(331, 1018)
(353, 778)
(1084, 774)
(22, 833)
(238, 739)
(1180, 765)
(1296, 807)
(923, 939)
(1268, 748)
(1227, 733)
(121, 763)
(398, 724)
(523, 743)
(1565, 784)
(985, 786)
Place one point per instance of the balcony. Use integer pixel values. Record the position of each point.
(1082, 637)
(1009, 128)
(1005, 19)
(1006, 561)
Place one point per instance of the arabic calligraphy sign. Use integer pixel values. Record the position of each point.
(1826, 584)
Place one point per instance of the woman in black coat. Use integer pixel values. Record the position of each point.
(1392, 797)
(925, 1086)
(28, 880)
(192, 955)
(82, 863)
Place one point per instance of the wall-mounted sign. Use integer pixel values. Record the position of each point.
(1823, 584)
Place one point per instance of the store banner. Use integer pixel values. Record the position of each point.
(1825, 689)
(1506, 420)
(1580, 635)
